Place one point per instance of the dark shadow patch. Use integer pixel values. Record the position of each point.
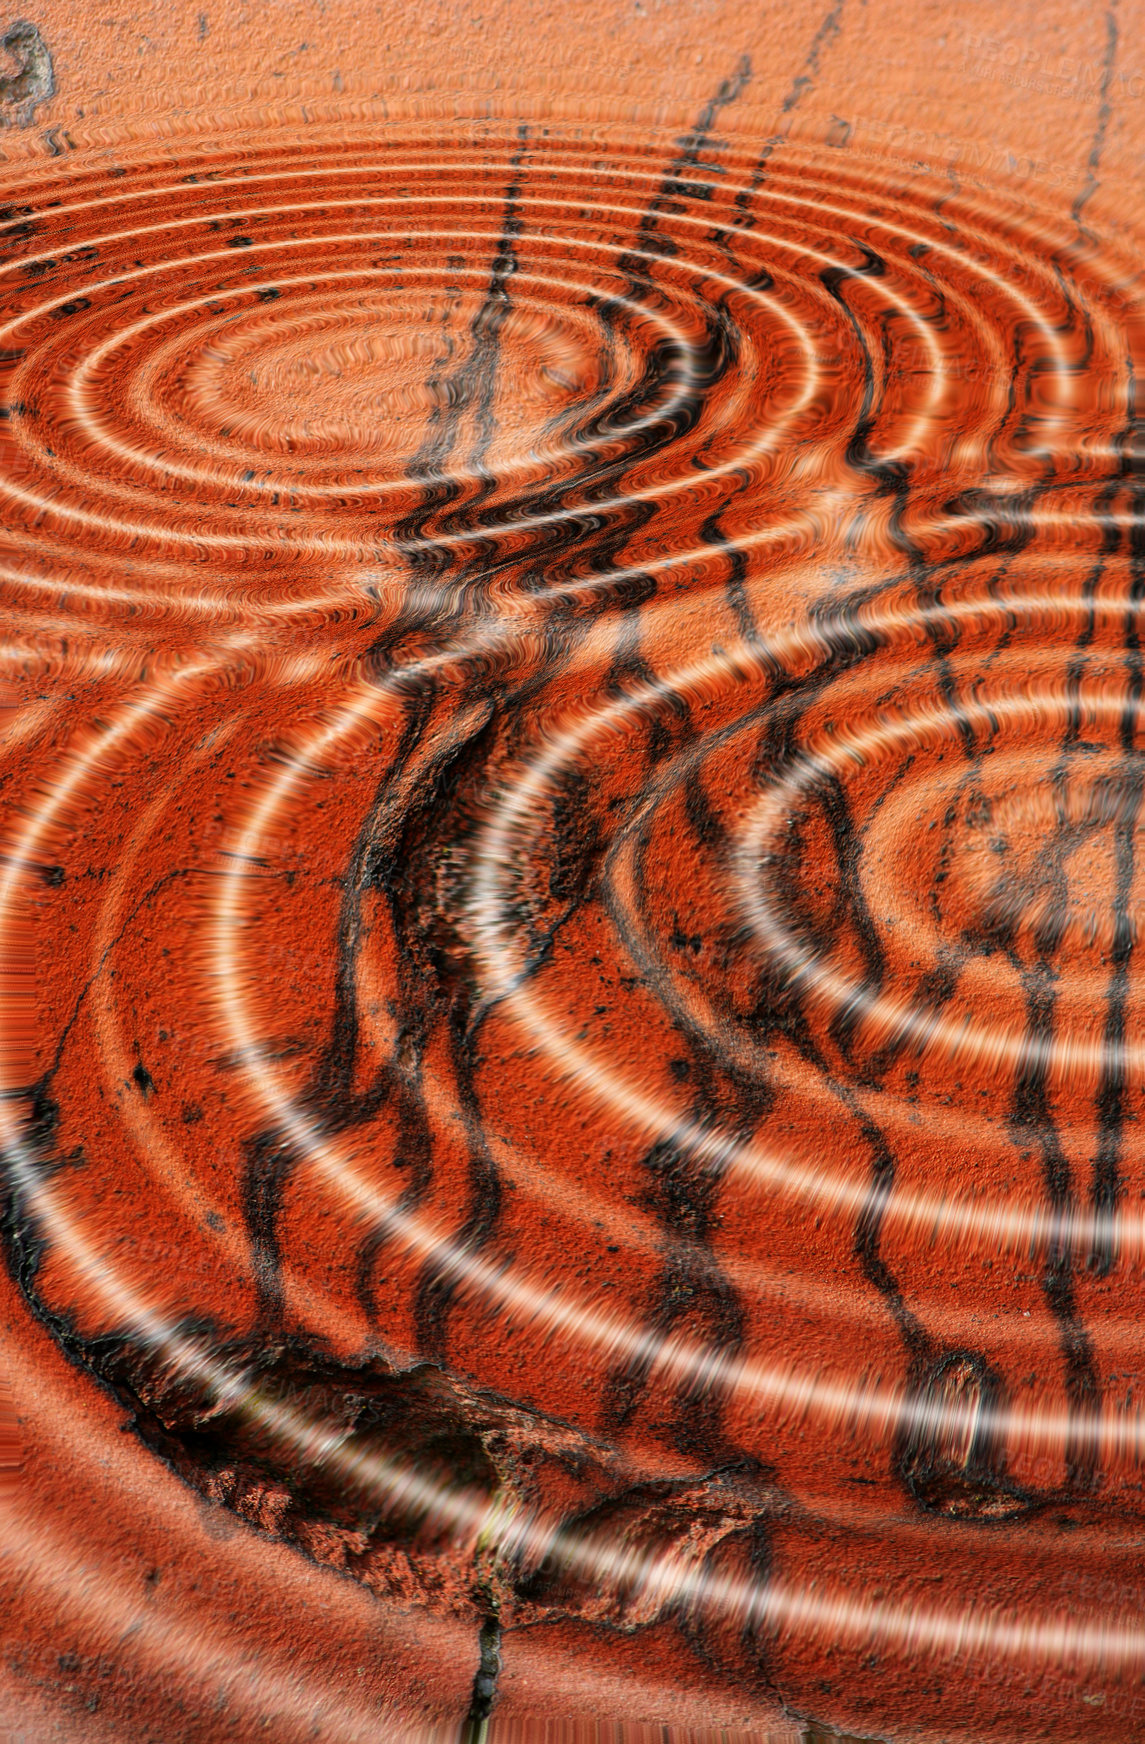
(34, 80)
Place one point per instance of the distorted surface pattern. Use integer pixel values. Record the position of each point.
(571, 888)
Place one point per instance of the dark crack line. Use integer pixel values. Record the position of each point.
(1105, 109)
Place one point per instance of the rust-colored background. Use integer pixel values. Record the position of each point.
(106, 1633)
(1015, 90)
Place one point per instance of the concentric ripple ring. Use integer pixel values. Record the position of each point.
(571, 885)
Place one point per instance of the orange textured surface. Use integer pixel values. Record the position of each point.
(572, 790)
